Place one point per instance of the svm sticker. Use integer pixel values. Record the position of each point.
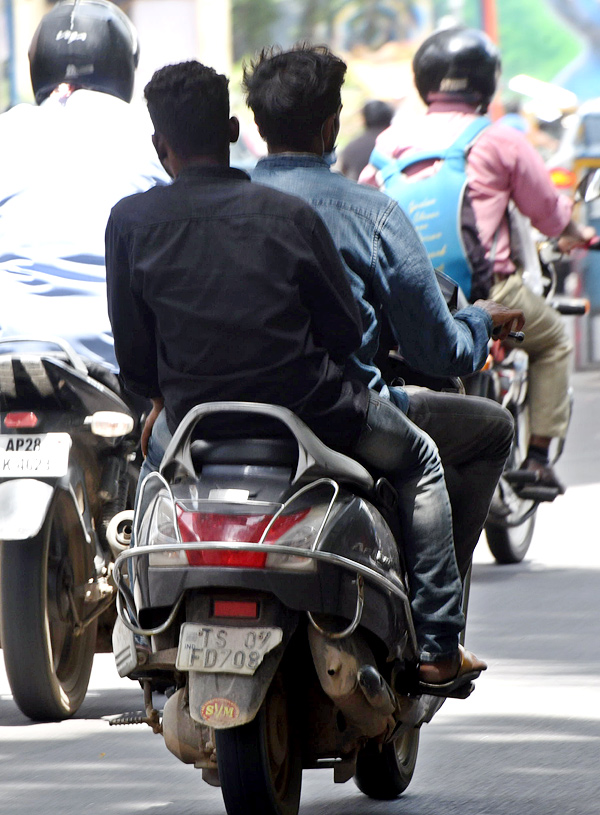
(219, 711)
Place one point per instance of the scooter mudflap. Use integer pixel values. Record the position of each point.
(123, 643)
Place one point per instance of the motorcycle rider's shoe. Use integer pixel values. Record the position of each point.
(546, 477)
(451, 678)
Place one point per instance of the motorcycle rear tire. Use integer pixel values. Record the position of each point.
(260, 763)
(510, 544)
(47, 665)
(385, 773)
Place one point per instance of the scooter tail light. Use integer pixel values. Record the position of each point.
(196, 527)
(20, 420)
(298, 529)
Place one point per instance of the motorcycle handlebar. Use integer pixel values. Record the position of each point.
(517, 336)
(571, 305)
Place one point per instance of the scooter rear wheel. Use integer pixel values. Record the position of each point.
(43, 581)
(260, 763)
(384, 772)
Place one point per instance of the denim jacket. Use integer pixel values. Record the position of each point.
(389, 271)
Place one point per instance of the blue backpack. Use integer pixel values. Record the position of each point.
(434, 204)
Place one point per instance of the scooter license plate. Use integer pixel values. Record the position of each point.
(217, 649)
(43, 455)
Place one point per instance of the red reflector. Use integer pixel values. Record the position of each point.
(235, 608)
(212, 526)
(18, 421)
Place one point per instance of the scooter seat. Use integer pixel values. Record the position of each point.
(273, 452)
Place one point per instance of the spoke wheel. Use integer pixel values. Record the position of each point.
(44, 580)
(384, 772)
(260, 763)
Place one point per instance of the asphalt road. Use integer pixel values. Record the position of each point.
(526, 743)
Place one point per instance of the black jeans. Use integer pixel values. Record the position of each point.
(392, 444)
(473, 436)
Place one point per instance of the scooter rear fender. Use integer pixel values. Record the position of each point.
(224, 700)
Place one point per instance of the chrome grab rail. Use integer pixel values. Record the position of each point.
(332, 558)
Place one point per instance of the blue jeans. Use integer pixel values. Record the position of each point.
(394, 445)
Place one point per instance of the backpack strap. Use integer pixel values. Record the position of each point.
(457, 151)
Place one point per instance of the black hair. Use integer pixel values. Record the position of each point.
(293, 92)
(189, 105)
(377, 114)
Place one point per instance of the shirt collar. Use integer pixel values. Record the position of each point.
(451, 106)
(216, 171)
(293, 160)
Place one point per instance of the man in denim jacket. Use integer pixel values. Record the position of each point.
(295, 97)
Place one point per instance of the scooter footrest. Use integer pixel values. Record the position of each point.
(136, 717)
(537, 492)
(517, 477)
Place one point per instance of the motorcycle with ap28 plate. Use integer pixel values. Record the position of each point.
(67, 472)
(267, 577)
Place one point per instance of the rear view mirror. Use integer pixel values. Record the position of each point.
(588, 188)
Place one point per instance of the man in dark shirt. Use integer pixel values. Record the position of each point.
(221, 289)
(377, 116)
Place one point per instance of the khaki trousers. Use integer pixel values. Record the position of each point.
(549, 350)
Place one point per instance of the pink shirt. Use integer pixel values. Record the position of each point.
(502, 166)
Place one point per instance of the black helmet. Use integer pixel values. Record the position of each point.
(458, 60)
(87, 43)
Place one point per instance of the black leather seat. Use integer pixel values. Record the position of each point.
(273, 452)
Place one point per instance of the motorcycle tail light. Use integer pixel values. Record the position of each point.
(20, 421)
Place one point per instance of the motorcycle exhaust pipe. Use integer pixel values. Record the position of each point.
(118, 532)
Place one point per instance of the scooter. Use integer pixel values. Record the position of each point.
(67, 448)
(267, 577)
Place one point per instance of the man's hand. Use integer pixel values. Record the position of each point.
(575, 237)
(158, 404)
(505, 319)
